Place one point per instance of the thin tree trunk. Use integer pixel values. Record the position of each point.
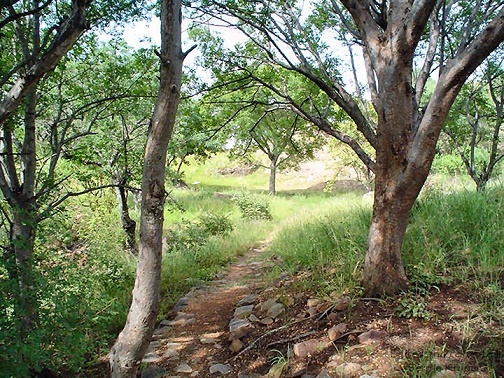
(130, 347)
(22, 237)
(272, 176)
(128, 224)
(24, 218)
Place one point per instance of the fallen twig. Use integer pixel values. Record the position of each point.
(291, 339)
(272, 331)
(324, 313)
(251, 345)
(379, 300)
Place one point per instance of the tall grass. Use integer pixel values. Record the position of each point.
(331, 244)
(458, 235)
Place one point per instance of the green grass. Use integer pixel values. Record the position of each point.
(329, 240)
(460, 234)
(207, 176)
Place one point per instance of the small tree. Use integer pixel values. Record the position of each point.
(255, 118)
(279, 134)
(475, 122)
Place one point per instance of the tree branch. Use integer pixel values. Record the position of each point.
(69, 31)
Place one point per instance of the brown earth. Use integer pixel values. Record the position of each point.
(195, 336)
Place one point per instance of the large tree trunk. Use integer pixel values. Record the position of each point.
(134, 339)
(383, 267)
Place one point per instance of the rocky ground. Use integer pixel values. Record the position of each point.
(240, 326)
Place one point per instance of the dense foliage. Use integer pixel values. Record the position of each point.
(82, 283)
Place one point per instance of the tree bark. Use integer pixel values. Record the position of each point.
(128, 224)
(130, 347)
(383, 267)
(272, 175)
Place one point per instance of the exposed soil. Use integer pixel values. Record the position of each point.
(453, 340)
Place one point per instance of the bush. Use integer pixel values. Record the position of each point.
(216, 224)
(253, 208)
(191, 236)
(449, 164)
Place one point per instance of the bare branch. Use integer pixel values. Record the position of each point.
(53, 205)
(355, 32)
(429, 58)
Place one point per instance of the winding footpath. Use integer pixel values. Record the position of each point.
(195, 339)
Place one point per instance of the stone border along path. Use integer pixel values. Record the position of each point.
(207, 320)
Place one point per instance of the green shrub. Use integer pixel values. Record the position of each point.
(190, 236)
(448, 164)
(253, 207)
(411, 305)
(216, 224)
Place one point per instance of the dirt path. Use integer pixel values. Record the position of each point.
(194, 337)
